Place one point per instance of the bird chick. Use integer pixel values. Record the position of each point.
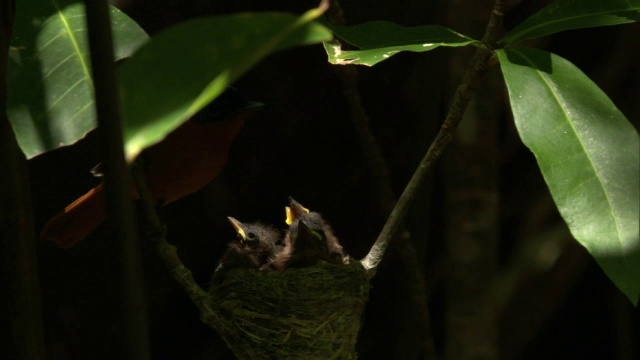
(256, 245)
(309, 239)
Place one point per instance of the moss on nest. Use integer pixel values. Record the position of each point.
(307, 313)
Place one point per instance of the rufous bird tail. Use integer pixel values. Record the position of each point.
(77, 220)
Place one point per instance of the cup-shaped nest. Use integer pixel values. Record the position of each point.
(306, 313)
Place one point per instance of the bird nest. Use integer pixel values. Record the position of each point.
(303, 313)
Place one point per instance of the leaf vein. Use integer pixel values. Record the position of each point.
(598, 176)
(75, 43)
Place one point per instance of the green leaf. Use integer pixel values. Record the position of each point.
(588, 153)
(575, 14)
(180, 70)
(50, 86)
(379, 40)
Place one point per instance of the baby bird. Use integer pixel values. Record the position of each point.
(309, 239)
(256, 245)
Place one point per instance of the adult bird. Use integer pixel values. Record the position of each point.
(256, 245)
(185, 161)
(309, 239)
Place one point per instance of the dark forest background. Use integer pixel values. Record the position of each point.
(304, 144)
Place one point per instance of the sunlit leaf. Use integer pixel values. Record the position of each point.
(183, 68)
(50, 85)
(588, 153)
(564, 15)
(379, 40)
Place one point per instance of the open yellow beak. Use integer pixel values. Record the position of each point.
(294, 210)
(238, 226)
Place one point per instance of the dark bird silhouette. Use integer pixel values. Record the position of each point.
(309, 239)
(185, 161)
(256, 245)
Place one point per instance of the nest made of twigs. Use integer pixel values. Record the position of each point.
(306, 313)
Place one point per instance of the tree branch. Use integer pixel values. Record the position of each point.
(386, 198)
(168, 253)
(479, 66)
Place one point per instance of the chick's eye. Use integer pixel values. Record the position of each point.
(251, 237)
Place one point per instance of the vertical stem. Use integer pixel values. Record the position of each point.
(379, 170)
(118, 183)
(18, 243)
(155, 233)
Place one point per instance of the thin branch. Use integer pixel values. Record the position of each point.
(479, 66)
(387, 200)
(17, 236)
(167, 252)
(117, 177)
(370, 148)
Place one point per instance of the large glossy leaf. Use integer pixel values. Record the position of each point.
(575, 14)
(183, 68)
(588, 153)
(379, 40)
(50, 87)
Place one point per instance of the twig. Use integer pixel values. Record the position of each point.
(386, 198)
(167, 252)
(477, 69)
(17, 236)
(117, 178)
